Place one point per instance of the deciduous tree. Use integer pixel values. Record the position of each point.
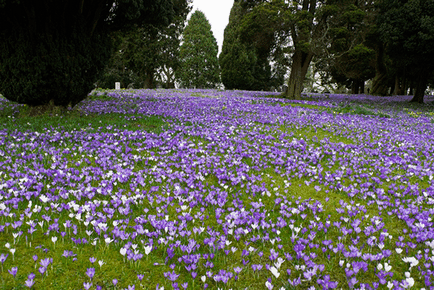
(309, 27)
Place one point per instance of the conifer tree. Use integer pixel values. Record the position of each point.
(198, 54)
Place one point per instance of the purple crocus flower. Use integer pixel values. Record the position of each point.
(172, 276)
(90, 272)
(45, 262)
(29, 283)
(352, 282)
(87, 285)
(13, 271)
(3, 258)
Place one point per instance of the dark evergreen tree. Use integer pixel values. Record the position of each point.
(237, 62)
(116, 69)
(199, 67)
(52, 52)
(245, 64)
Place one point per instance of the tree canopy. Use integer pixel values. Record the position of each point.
(198, 54)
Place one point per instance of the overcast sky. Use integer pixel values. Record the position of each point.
(217, 13)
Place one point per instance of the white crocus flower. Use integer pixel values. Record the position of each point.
(275, 272)
(387, 267)
(279, 262)
(412, 260)
(269, 285)
(148, 249)
(123, 251)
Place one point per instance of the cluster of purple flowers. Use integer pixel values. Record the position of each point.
(224, 182)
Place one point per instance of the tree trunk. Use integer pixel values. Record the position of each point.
(300, 65)
(380, 83)
(396, 89)
(362, 87)
(170, 83)
(405, 84)
(355, 87)
(149, 79)
(419, 93)
(400, 84)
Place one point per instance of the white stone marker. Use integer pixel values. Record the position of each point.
(117, 86)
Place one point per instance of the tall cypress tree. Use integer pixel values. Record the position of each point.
(198, 54)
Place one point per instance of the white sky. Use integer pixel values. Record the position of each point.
(217, 12)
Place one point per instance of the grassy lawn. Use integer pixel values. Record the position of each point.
(207, 189)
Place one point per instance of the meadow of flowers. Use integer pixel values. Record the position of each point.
(207, 189)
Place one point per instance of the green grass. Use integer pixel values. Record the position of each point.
(352, 109)
(357, 110)
(76, 120)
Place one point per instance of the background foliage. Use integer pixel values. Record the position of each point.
(147, 56)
